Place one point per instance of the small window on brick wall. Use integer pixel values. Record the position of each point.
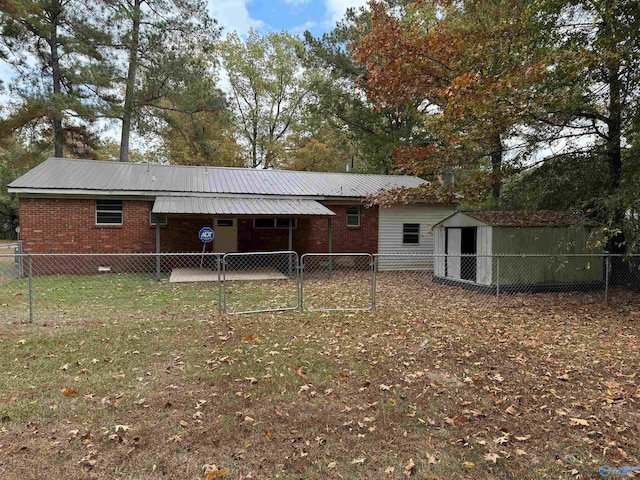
(410, 233)
(353, 216)
(108, 212)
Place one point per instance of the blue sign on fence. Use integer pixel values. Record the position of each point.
(206, 234)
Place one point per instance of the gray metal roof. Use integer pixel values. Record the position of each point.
(60, 175)
(238, 206)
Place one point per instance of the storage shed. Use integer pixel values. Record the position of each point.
(520, 251)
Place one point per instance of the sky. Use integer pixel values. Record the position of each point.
(295, 16)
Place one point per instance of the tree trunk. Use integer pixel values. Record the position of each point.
(129, 96)
(496, 167)
(58, 132)
(614, 155)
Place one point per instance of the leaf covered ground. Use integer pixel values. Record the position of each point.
(437, 383)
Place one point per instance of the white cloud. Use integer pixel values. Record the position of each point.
(300, 29)
(234, 15)
(337, 8)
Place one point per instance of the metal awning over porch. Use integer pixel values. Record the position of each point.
(167, 205)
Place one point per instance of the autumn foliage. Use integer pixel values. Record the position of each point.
(472, 67)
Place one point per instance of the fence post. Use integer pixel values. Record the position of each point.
(222, 291)
(606, 279)
(157, 250)
(497, 281)
(301, 281)
(374, 270)
(30, 289)
(219, 285)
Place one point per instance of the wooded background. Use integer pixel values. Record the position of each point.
(528, 104)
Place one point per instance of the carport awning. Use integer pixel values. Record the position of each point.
(238, 206)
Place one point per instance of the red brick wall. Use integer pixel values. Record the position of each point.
(261, 239)
(51, 225)
(68, 226)
(312, 233)
(181, 234)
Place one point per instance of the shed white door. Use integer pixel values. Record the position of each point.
(226, 235)
(454, 244)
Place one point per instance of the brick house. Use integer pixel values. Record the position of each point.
(87, 206)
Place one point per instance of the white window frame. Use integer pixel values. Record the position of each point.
(104, 210)
(352, 215)
(417, 234)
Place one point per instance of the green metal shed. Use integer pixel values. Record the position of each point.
(520, 251)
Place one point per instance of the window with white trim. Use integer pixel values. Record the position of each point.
(353, 216)
(410, 233)
(109, 212)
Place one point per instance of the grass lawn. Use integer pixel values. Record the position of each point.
(437, 383)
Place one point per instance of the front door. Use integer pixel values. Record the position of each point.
(226, 238)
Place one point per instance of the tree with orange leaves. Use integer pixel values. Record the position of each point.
(474, 67)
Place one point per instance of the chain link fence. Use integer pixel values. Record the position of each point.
(337, 281)
(103, 287)
(260, 282)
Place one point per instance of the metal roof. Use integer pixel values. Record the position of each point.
(522, 218)
(238, 206)
(60, 175)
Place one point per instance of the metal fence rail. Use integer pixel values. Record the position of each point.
(42, 287)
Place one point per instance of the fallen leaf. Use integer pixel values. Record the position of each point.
(520, 452)
(408, 469)
(468, 465)
(300, 373)
(69, 392)
(578, 421)
(511, 410)
(331, 465)
(491, 457)
(358, 461)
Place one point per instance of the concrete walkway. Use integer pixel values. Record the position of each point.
(184, 275)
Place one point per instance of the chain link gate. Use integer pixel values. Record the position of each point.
(337, 282)
(260, 282)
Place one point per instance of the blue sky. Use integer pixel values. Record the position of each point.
(295, 16)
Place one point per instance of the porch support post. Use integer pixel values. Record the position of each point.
(157, 249)
(330, 241)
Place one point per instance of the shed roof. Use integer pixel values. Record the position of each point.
(521, 218)
(238, 206)
(77, 176)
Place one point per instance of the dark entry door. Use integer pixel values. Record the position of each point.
(468, 247)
